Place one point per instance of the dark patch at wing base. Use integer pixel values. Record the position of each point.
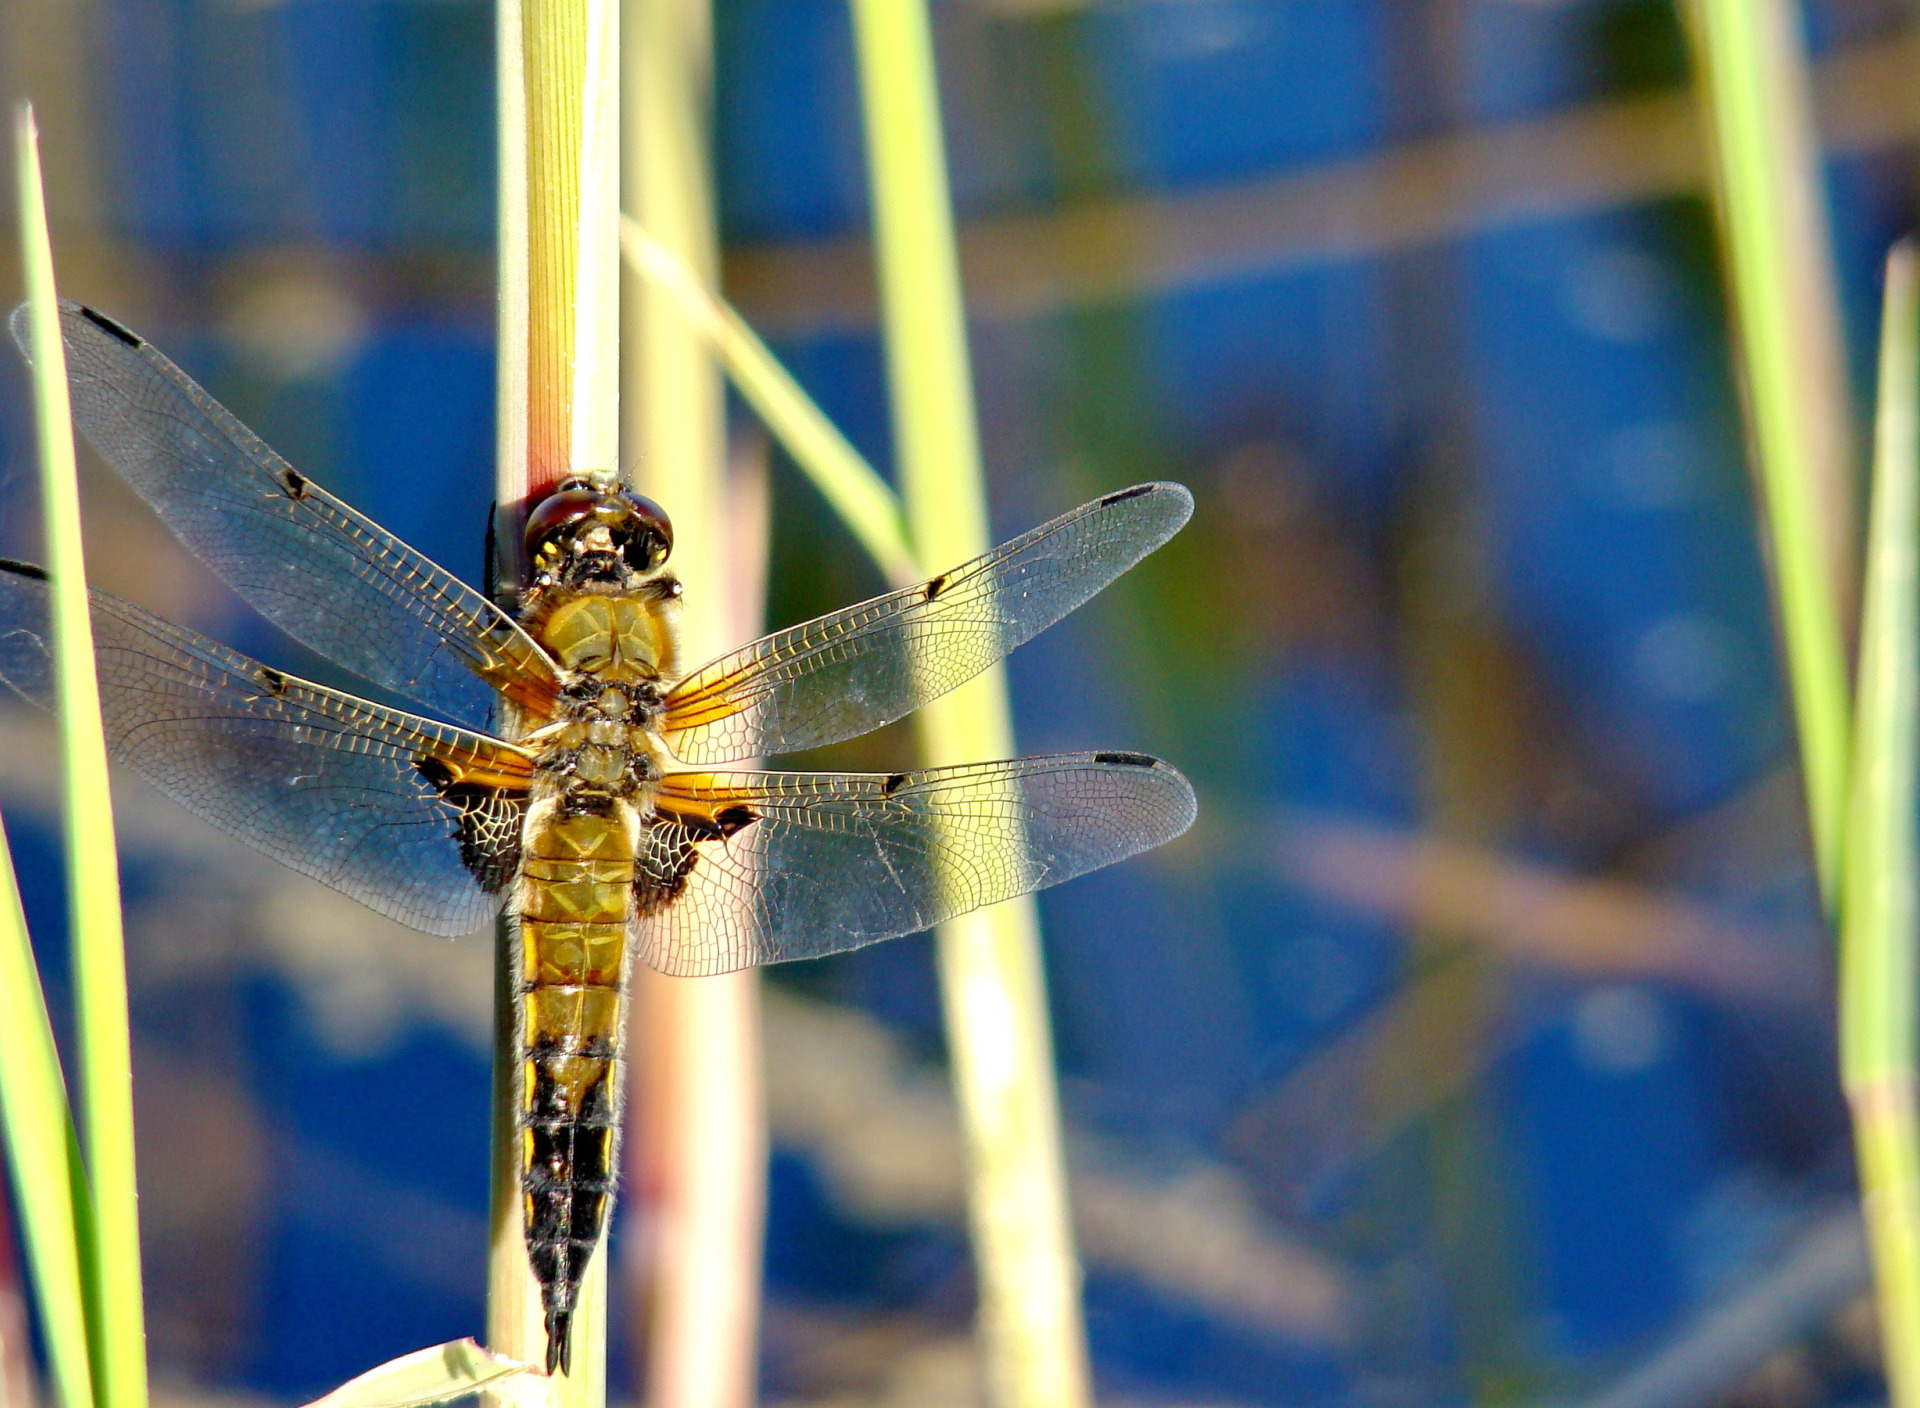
(490, 824)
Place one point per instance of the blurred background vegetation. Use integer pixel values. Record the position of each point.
(1475, 1047)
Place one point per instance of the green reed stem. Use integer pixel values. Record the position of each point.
(49, 1186)
(112, 1254)
(1879, 963)
(1860, 803)
(1753, 69)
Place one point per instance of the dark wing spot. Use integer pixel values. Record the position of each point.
(296, 484)
(111, 328)
(893, 784)
(1127, 760)
(438, 775)
(1122, 495)
(936, 586)
(272, 681)
(720, 826)
(23, 569)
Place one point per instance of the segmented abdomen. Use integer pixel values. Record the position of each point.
(576, 899)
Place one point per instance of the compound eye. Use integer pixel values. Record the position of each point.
(558, 515)
(649, 532)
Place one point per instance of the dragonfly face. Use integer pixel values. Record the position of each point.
(563, 764)
(596, 531)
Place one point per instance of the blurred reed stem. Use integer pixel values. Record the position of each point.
(992, 981)
(558, 349)
(697, 1139)
(1878, 910)
(1752, 66)
(109, 1231)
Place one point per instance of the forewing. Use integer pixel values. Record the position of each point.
(418, 821)
(763, 867)
(847, 673)
(329, 577)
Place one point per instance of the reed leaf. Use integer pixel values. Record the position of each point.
(426, 1377)
(992, 982)
(49, 1186)
(111, 1253)
(1752, 68)
(1878, 957)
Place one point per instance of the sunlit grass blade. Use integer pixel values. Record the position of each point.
(1878, 970)
(112, 1254)
(852, 487)
(37, 1126)
(425, 1377)
(992, 982)
(1753, 70)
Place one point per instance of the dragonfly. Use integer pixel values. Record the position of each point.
(564, 769)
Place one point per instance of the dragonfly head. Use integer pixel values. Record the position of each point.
(591, 530)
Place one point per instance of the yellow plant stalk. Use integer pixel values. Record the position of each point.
(111, 1255)
(1766, 162)
(696, 1122)
(558, 354)
(1878, 912)
(992, 982)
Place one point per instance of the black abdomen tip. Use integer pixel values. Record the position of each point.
(559, 1340)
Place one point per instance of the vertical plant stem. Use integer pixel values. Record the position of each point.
(558, 413)
(1877, 950)
(49, 1189)
(699, 1143)
(1753, 67)
(112, 1253)
(992, 982)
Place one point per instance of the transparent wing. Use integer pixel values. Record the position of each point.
(416, 820)
(757, 867)
(329, 577)
(847, 673)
